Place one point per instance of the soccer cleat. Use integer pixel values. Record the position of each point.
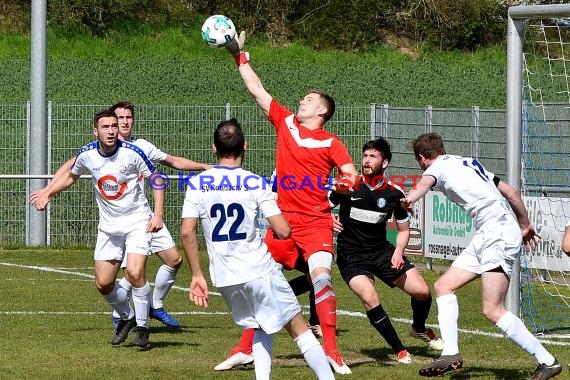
(317, 331)
(429, 337)
(116, 322)
(404, 357)
(337, 364)
(544, 371)
(161, 315)
(141, 339)
(125, 326)
(234, 360)
(443, 364)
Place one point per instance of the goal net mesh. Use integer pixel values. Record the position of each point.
(545, 177)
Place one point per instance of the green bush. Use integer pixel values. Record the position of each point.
(337, 24)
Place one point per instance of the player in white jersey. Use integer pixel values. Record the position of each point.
(126, 221)
(162, 243)
(490, 255)
(226, 199)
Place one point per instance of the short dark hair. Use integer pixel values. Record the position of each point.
(429, 145)
(327, 100)
(101, 114)
(124, 104)
(381, 145)
(229, 139)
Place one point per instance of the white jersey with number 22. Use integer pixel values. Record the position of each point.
(228, 208)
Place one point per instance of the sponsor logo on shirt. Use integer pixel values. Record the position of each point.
(110, 188)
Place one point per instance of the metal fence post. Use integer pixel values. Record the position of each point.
(228, 111)
(474, 123)
(428, 119)
(428, 127)
(372, 121)
(384, 115)
(36, 232)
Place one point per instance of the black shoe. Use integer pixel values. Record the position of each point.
(443, 364)
(141, 340)
(123, 329)
(544, 371)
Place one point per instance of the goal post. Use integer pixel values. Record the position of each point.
(538, 121)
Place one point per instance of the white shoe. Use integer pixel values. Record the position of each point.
(239, 358)
(338, 365)
(404, 357)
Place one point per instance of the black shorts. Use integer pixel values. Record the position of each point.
(371, 264)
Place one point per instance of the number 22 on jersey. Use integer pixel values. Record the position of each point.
(233, 216)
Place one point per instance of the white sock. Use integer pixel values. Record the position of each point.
(262, 347)
(314, 355)
(516, 331)
(447, 315)
(124, 290)
(123, 283)
(119, 303)
(141, 299)
(162, 284)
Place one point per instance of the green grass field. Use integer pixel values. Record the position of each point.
(54, 324)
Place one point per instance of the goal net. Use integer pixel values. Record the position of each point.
(545, 162)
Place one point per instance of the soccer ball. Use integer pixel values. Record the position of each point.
(218, 31)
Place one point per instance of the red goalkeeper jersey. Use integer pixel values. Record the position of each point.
(305, 160)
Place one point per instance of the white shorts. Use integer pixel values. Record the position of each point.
(496, 244)
(132, 238)
(267, 303)
(160, 241)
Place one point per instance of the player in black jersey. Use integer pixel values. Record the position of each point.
(363, 251)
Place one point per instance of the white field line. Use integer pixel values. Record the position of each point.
(347, 313)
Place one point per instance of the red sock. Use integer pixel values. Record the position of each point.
(326, 310)
(245, 343)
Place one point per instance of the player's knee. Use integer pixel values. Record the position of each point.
(423, 294)
(136, 276)
(171, 257)
(104, 287)
(174, 262)
(492, 312)
(441, 288)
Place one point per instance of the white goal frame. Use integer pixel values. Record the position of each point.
(517, 19)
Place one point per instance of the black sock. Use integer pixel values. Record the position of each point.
(381, 322)
(300, 285)
(313, 316)
(420, 311)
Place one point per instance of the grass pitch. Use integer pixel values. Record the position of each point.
(54, 325)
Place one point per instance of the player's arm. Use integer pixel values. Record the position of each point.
(349, 172)
(64, 181)
(421, 189)
(62, 169)
(530, 237)
(402, 238)
(249, 77)
(280, 226)
(182, 163)
(566, 240)
(198, 291)
(157, 221)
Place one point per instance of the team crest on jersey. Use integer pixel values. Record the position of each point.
(124, 169)
(381, 202)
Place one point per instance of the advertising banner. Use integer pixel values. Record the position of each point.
(549, 217)
(447, 228)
